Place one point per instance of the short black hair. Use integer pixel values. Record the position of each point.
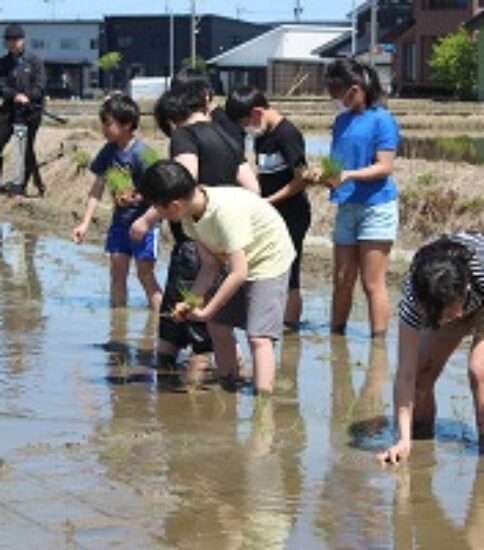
(178, 106)
(166, 181)
(14, 30)
(344, 73)
(190, 78)
(242, 100)
(121, 108)
(439, 275)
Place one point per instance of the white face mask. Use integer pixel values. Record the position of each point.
(255, 131)
(339, 105)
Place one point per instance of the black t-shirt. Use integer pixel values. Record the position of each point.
(219, 157)
(279, 152)
(219, 116)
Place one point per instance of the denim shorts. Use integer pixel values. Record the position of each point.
(360, 222)
(119, 242)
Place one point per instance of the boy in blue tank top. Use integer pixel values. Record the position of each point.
(120, 165)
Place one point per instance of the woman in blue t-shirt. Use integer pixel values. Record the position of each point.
(364, 140)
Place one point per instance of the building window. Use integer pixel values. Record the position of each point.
(125, 41)
(37, 43)
(445, 4)
(94, 44)
(69, 44)
(409, 61)
(426, 51)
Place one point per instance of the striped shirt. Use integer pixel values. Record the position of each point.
(409, 312)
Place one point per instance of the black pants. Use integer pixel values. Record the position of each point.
(6, 130)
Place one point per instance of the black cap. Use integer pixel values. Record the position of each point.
(14, 31)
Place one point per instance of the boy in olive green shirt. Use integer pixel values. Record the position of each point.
(236, 228)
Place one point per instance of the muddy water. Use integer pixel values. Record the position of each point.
(94, 454)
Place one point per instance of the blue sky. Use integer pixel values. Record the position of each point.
(256, 10)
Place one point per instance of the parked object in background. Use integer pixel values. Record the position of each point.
(142, 88)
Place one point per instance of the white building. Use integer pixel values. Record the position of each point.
(281, 60)
(70, 50)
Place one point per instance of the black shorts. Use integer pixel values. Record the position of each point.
(182, 272)
(297, 227)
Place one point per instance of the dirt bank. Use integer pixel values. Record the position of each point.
(435, 196)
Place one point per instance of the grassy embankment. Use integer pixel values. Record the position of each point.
(436, 196)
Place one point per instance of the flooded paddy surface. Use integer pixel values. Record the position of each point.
(94, 453)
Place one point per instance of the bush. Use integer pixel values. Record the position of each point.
(454, 63)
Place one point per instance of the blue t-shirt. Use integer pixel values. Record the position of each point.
(131, 159)
(357, 137)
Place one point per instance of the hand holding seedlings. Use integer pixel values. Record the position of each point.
(188, 309)
(120, 183)
(331, 172)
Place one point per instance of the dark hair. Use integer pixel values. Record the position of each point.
(14, 30)
(122, 109)
(242, 100)
(439, 275)
(166, 181)
(344, 73)
(192, 79)
(177, 106)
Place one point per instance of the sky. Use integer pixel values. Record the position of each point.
(253, 10)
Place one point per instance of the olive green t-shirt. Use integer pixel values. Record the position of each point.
(237, 219)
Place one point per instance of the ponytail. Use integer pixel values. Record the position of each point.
(349, 72)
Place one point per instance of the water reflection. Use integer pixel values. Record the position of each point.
(462, 148)
(128, 463)
(22, 322)
(452, 148)
(127, 363)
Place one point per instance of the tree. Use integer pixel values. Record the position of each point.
(200, 63)
(454, 63)
(108, 62)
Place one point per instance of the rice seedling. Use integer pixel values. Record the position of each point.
(331, 168)
(149, 156)
(119, 180)
(82, 160)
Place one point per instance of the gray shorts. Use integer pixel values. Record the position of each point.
(257, 307)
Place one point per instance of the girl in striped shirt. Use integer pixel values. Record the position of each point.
(443, 299)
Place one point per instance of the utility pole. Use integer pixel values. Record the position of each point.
(172, 46)
(171, 32)
(298, 11)
(373, 31)
(353, 28)
(194, 34)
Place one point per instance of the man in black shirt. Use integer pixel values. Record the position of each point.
(22, 79)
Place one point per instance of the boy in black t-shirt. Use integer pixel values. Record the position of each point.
(212, 158)
(280, 154)
(197, 80)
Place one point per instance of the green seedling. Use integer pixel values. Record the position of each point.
(331, 168)
(82, 159)
(119, 181)
(189, 297)
(193, 301)
(149, 156)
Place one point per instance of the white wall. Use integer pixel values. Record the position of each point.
(284, 42)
